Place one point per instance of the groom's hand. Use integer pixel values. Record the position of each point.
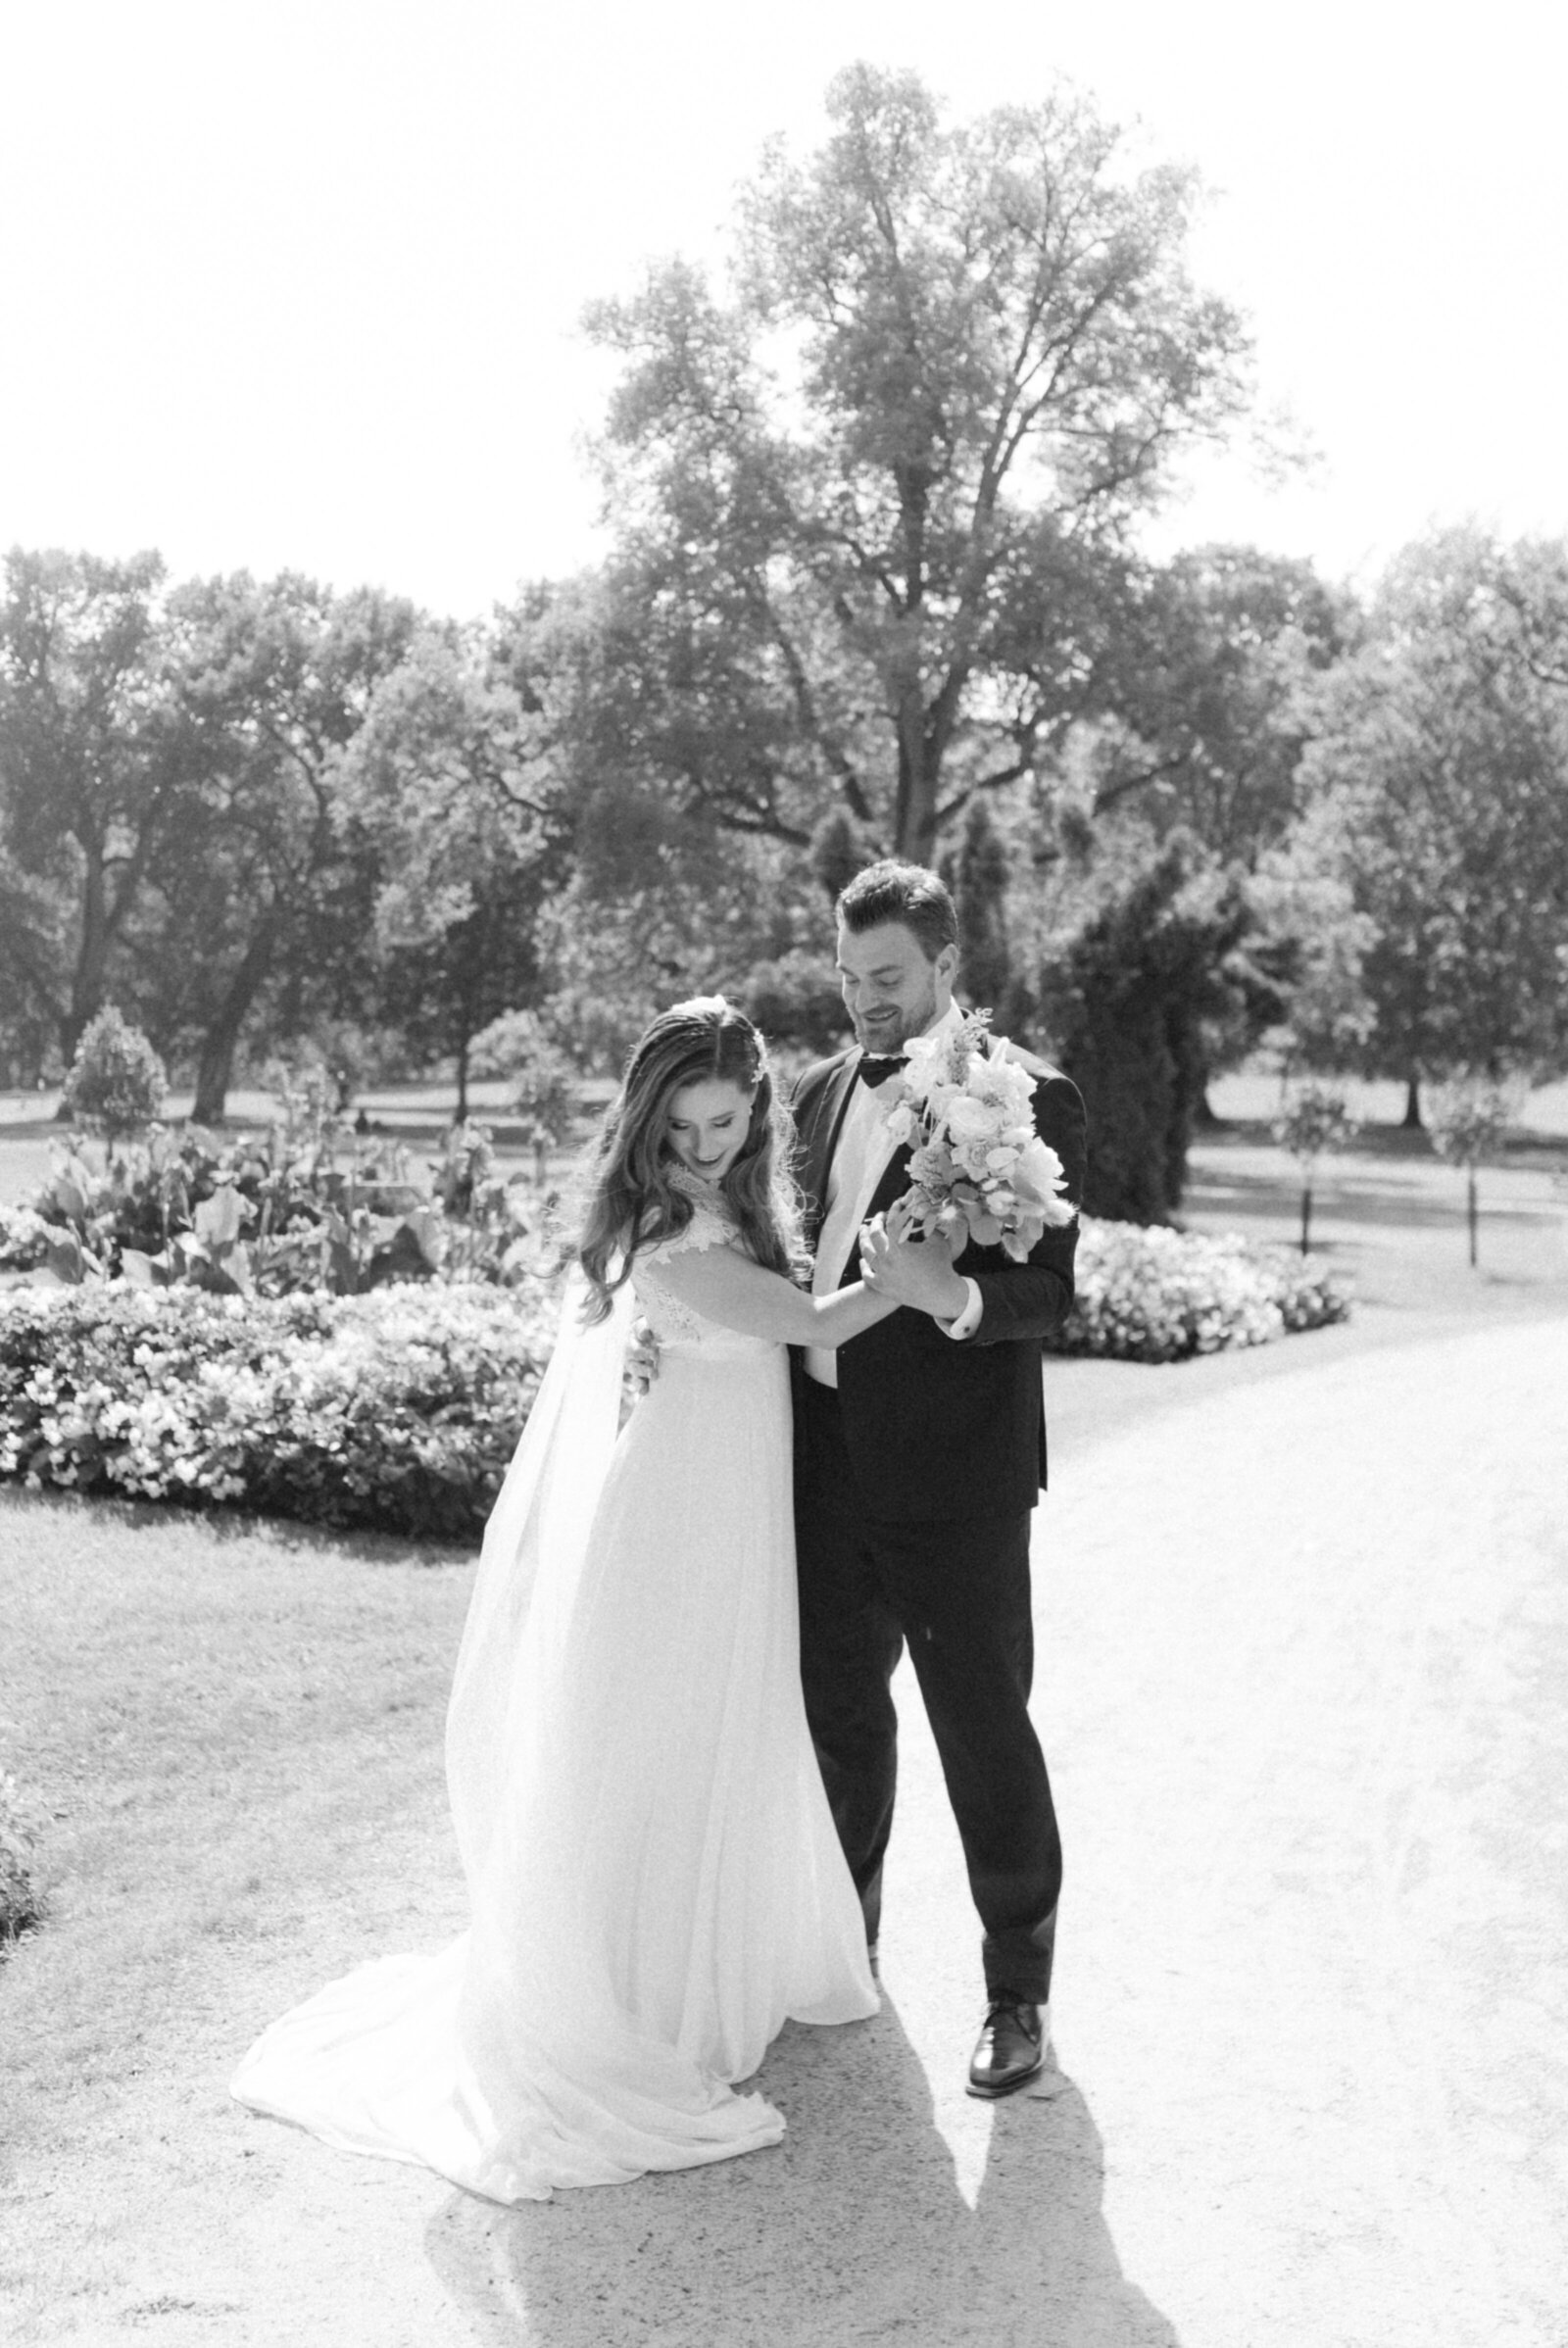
(917, 1273)
(642, 1358)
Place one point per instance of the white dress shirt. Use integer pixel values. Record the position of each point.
(862, 1155)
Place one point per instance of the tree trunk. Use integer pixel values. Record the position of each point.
(92, 955)
(214, 1073)
(1471, 1208)
(914, 820)
(1411, 1121)
(1307, 1216)
(460, 1113)
(214, 1068)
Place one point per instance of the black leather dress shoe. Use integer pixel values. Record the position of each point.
(1011, 2046)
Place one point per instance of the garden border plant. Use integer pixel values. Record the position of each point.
(400, 1409)
(396, 1411)
(21, 1889)
(273, 1212)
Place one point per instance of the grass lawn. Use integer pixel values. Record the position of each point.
(417, 1116)
(233, 1732)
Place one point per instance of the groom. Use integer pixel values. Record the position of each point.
(919, 1456)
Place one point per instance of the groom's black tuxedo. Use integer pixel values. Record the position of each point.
(915, 1485)
(936, 1428)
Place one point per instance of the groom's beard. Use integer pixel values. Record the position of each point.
(891, 1035)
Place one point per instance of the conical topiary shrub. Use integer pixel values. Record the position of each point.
(116, 1081)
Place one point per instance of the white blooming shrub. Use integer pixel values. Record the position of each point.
(1145, 1292)
(23, 1239)
(398, 1409)
(401, 1409)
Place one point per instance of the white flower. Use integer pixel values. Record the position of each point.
(970, 1120)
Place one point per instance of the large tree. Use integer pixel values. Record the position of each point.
(1206, 687)
(1440, 776)
(873, 510)
(274, 679)
(94, 768)
(455, 781)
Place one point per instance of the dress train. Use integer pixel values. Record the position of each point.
(654, 1877)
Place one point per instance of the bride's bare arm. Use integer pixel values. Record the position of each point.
(725, 1286)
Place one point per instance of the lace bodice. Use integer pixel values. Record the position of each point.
(675, 1324)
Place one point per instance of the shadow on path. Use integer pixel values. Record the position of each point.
(854, 2229)
(1392, 1201)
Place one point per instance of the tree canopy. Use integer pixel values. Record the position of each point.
(871, 508)
(1438, 802)
(877, 583)
(92, 771)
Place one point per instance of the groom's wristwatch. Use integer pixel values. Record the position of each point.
(965, 1323)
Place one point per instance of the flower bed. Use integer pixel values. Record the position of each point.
(398, 1409)
(401, 1409)
(1149, 1293)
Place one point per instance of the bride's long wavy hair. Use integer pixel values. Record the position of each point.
(635, 1198)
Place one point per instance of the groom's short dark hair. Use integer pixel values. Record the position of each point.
(894, 891)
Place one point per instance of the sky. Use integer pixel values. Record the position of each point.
(300, 286)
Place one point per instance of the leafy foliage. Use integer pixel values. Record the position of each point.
(1205, 678)
(264, 889)
(1158, 1295)
(93, 778)
(1441, 810)
(546, 1090)
(796, 999)
(398, 1410)
(1313, 1122)
(20, 1888)
(872, 504)
(453, 777)
(1468, 1118)
(275, 1212)
(1127, 1000)
(117, 1082)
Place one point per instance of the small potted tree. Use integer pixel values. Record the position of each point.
(1468, 1118)
(1315, 1123)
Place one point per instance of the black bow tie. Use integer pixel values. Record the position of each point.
(874, 1071)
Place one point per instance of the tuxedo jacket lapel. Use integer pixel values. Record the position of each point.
(823, 1133)
(892, 1184)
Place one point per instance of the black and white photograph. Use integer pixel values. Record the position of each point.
(783, 1175)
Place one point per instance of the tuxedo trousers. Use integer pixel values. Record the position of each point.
(956, 1593)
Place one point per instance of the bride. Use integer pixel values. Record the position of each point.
(653, 1878)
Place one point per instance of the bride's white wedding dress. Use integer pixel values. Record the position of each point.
(654, 1877)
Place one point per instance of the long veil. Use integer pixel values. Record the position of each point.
(534, 1548)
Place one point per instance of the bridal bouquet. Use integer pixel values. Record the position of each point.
(968, 1116)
